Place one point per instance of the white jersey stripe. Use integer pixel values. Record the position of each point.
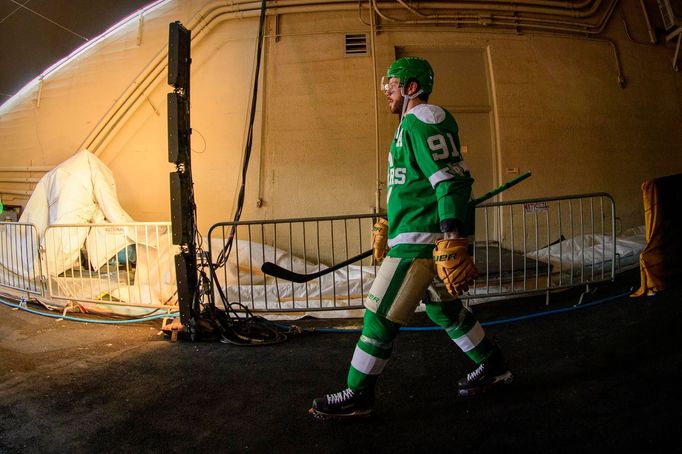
(415, 238)
(441, 175)
(366, 363)
(470, 340)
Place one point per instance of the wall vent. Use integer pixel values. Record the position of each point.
(356, 44)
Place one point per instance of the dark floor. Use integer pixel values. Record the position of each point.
(605, 378)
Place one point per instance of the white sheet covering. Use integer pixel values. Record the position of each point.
(82, 190)
(244, 282)
(593, 250)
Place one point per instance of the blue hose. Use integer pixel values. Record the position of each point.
(328, 330)
(491, 323)
(88, 320)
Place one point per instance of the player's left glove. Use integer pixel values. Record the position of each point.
(380, 239)
(454, 265)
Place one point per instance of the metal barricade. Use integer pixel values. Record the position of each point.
(20, 266)
(541, 245)
(521, 247)
(304, 245)
(111, 265)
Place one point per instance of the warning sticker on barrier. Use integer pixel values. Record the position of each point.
(535, 207)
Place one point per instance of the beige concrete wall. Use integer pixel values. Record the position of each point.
(319, 130)
(220, 86)
(557, 110)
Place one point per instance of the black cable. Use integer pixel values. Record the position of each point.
(224, 254)
(234, 328)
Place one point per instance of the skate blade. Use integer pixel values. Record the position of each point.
(505, 379)
(329, 417)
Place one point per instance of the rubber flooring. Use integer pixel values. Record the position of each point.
(604, 376)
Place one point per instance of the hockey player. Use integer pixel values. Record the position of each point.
(429, 187)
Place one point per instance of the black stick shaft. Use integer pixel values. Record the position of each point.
(277, 271)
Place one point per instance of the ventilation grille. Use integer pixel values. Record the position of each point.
(356, 44)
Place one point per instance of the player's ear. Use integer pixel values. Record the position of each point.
(412, 87)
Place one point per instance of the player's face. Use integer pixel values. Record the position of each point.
(392, 92)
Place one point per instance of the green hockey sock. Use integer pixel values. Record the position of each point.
(462, 327)
(372, 351)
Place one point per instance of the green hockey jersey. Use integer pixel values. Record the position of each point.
(427, 181)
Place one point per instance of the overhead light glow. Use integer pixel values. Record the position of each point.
(93, 42)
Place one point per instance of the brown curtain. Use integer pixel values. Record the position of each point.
(661, 259)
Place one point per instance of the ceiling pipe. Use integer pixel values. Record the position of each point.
(217, 12)
(652, 35)
(19, 180)
(207, 18)
(377, 157)
(487, 20)
(26, 169)
(16, 192)
(512, 7)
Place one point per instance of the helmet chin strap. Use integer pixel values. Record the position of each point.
(406, 99)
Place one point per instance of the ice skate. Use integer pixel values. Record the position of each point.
(343, 404)
(491, 373)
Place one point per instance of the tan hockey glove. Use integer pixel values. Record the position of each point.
(380, 239)
(454, 265)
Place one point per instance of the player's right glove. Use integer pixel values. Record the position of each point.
(379, 239)
(454, 265)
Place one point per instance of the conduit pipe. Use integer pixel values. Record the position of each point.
(26, 169)
(440, 17)
(514, 7)
(18, 180)
(372, 40)
(16, 192)
(652, 34)
(492, 20)
(218, 12)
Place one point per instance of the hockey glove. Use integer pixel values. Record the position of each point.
(454, 265)
(379, 239)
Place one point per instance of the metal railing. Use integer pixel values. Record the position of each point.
(305, 245)
(537, 245)
(520, 247)
(111, 264)
(20, 265)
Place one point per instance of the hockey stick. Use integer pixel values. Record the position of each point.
(275, 270)
(503, 187)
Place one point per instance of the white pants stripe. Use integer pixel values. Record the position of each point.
(366, 363)
(470, 340)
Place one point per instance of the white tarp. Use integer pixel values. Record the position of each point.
(593, 251)
(82, 190)
(243, 281)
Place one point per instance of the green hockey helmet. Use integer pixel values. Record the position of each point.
(408, 68)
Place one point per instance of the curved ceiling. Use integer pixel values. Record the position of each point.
(35, 34)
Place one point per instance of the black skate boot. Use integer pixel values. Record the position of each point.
(490, 373)
(344, 404)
